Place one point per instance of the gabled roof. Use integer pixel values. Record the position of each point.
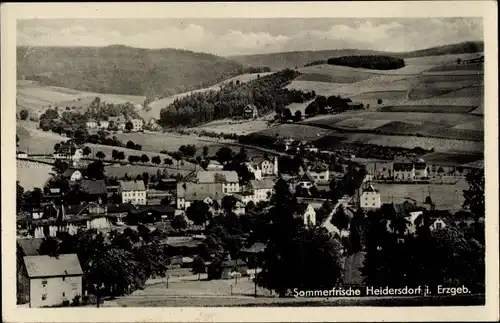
(196, 192)
(266, 183)
(94, 187)
(46, 266)
(233, 263)
(306, 177)
(29, 246)
(69, 172)
(370, 188)
(132, 185)
(318, 167)
(216, 176)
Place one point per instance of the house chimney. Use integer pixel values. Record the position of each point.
(275, 165)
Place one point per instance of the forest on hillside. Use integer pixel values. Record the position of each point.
(154, 73)
(374, 62)
(267, 93)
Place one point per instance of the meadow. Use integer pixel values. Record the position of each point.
(37, 98)
(162, 141)
(31, 175)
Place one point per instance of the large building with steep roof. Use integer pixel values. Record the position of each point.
(48, 281)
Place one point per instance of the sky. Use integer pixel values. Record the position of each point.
(226, 37)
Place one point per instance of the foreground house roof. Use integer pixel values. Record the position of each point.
(47, 266)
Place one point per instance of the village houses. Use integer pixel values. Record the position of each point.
(137, 124)
(133, 192)
(50, 281)
(307, 213)
(261, 167)
(91, 124)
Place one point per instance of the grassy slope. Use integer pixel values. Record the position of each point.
(292, 59)
(124, 70)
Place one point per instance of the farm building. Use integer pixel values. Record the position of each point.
(253, 254)
(133, 192)
(320, 173)
(228, 179)
(95, 190)
(257, 191)
(251, 112)
(306, 181)
(188, 192)
(355, 105)
(229, 268)
(48, 281)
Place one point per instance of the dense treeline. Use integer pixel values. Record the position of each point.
(319, 62)
(266, 93)
(375, 62)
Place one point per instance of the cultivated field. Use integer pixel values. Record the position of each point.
(446, 197)
(321, 88)
(428, 108)
(31, 175)
(239, 127)
(297, 131)
(163, 141)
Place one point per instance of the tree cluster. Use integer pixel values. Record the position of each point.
(375, 62)
(267, 93)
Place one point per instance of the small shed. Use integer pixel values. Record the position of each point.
(251, 112)
(229, 266)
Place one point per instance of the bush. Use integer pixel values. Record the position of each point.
(76, 301)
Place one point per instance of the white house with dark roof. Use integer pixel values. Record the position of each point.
(133, 192)
(251, 112)
(370, 198)
(320, 173)
(261, 167)
(228, 179)
(49, 281)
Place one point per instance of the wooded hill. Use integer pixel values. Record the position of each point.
(300, 58)
(267, 93)
(154, 73)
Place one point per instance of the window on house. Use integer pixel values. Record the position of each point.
(44, 282)
(373, 204)
(64, 294)
(439, 225)
(64, 278)
(44, 297)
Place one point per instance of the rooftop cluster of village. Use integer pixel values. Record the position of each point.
(180, 215)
